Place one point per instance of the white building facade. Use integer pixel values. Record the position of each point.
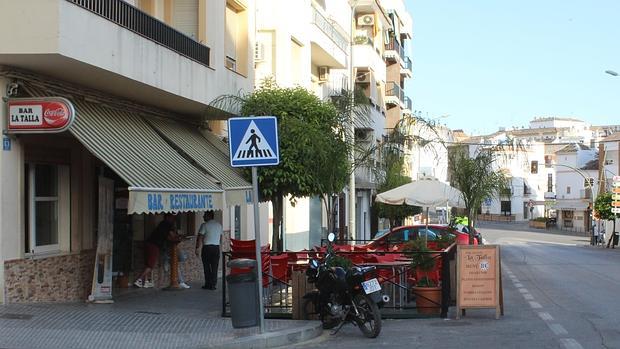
(141, 75)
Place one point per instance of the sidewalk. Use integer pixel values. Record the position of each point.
(142, 318)
(524, 226)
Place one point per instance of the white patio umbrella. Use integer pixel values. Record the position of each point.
(426, 192)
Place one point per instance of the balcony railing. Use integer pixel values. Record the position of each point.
(131, 18)
(393, 45)
(394, 90)
(330, 29)
(408, 103)
(407, 63)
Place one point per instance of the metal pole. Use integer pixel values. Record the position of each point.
(259, 264)
(352, 197)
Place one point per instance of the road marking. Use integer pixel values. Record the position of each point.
(557, 329)
(528, 297)
(524, 290)
(535, 305)
(518, 284)
(545, 316)
(569, 343)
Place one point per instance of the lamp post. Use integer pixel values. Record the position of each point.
(351, 130)
(592, 196)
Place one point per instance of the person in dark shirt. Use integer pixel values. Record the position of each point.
(165, 231)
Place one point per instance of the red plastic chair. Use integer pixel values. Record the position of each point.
(279, 268)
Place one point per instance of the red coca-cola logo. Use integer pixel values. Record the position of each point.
(55, 114)
(46, 114)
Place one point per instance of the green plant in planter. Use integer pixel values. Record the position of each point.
(340, 261)
(420, 256)
(445, 240)
(426, 282)
(539, 219)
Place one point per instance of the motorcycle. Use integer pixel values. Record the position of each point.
(351, 296)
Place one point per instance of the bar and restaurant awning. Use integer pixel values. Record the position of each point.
(159, 178)
(209, 157)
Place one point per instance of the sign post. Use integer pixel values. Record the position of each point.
(253, 142)
(478, 279)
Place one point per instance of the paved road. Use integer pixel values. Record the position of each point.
(559, 293)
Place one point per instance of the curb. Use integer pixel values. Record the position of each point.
(274, 339)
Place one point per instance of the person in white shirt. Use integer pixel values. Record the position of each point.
(208, 245)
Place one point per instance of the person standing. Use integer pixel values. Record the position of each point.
(208, 245)
(165, 231)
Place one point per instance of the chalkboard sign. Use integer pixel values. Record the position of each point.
(479, 278)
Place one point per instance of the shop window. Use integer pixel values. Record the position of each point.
(48, 208)
(236, 37)
(506, 208)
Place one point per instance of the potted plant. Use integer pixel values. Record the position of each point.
(427, 290)
(538, 223)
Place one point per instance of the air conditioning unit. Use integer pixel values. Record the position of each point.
(366, 20)
(362, 77)
(259, 52)
(323, 73)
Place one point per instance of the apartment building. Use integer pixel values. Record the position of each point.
(139, 76)
(315, 44)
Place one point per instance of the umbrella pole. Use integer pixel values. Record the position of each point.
(426, 233)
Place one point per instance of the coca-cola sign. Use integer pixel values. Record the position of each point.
(39, 115)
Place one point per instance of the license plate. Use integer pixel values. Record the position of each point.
(371, 286)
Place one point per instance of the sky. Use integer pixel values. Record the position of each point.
(483, 64)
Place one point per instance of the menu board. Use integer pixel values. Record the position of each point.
(478, 275)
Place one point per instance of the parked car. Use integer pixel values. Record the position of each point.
(397, 237)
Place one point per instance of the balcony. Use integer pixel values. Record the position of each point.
(113, 47)
(129, 17)
(407, 109)
(394, 95)
(405, 67)
(328, 44)
(367, 57)
(393, 51)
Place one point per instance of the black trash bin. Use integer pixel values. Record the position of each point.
(616, 236)
(243, 294)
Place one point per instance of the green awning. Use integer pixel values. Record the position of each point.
(159, 178)
(207, 155)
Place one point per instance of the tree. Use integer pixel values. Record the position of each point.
(394, 178)
(313, 150)
(476, 178)
(602, 210)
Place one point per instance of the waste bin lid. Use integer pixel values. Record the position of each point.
(241, 277)
(242, 263)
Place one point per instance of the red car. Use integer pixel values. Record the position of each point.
(401, 235)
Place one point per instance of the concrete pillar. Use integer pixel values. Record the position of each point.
(11, 195)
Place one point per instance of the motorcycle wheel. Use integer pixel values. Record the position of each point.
(309, 313)
(369, 319)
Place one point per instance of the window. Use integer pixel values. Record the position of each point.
(506, 208)
(550, 182)
(534, 167)
(568, 190)
(236, 36)
(588, 183)
(48, 207)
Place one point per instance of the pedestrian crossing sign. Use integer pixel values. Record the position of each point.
(253, 141)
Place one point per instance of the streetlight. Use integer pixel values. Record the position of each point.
(351, 133)
(592, 196)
